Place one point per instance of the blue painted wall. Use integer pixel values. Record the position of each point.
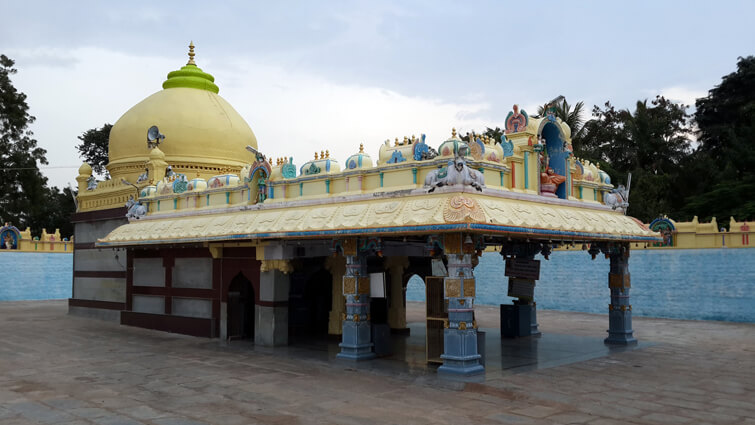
(699, 284)
(557, 155)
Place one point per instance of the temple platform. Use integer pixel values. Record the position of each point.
(57, 368)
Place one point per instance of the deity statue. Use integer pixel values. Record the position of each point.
(549, 182)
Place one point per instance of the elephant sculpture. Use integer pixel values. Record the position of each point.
(456, 173)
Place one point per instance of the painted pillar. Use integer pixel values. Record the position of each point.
(460, 355)
(619, 311)
(356, 340)
(271, 311)
(395, 267)
(337, 268)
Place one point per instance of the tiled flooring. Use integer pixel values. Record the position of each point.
(56, 368)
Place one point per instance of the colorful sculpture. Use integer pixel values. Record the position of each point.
(549, 182)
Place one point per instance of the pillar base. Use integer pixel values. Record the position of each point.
(357, 341)
(460, 355)
(459, 367)
(617, 338)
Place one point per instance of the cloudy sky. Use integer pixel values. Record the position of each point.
(309, 76)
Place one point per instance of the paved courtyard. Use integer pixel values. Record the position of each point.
(61, 369)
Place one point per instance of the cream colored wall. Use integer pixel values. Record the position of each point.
(696, 235)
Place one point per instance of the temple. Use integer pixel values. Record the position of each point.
(199, 232)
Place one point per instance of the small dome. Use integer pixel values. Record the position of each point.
(604, 177)
(156, 155)
(85, 169)
(324, 165)
(197, 185)
(453, 147)
(148, 191)
(359, 160)
(223, 180)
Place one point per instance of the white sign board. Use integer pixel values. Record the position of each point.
(377, 285)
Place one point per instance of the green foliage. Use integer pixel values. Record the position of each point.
(573, 117)
(725, 157)
(494, 133)
(25, 199)
(650, 143)
(94, 149)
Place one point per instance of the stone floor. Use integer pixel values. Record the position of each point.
(61, 369)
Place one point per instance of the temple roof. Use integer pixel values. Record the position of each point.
(449, 210)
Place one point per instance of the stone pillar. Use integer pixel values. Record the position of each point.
(619, 311)
(337, 268)
(395, 267)
(271, 312)
(525, 252)
(356, 341)
(460, 355)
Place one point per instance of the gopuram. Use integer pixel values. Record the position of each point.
(199, 232)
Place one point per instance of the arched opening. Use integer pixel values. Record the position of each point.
(556, 154)
(310, 299)
(9, 237)
(240, 308)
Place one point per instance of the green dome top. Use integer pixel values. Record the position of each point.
(191, 76)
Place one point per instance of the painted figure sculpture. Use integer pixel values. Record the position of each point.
(549, 182)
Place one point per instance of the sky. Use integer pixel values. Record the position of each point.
(310, 76)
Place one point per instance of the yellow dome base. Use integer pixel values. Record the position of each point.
(203, 134)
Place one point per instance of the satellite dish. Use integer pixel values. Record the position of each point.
(154, 137)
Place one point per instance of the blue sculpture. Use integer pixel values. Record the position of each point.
(396, 158)
(288, 170)
(507, 145)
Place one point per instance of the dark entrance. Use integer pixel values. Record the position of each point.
(310, 299)
(240, 308)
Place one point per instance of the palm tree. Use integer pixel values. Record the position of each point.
(573, 117)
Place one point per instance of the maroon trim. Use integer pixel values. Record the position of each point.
(107, 214)
(272, 303)
(176, 324)
(147, 253)
(175, 292)
(129, 278)
(172, 253)
(106, 305)
(83, 245)
(242, 252)
(100, 273)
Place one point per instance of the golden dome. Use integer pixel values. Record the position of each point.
(204, 135)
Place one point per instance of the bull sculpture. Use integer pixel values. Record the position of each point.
(456, 173)
(136, 209)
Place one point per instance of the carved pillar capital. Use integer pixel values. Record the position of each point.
(284, 266)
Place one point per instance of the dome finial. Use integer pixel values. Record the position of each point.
(361, 148)
(191, 54)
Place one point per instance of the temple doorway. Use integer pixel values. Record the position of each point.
(556, 154)
(240, 308)
(310, 300)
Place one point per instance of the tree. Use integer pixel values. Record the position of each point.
(94, 148)
(573, 117)
(723, 165)
(652, 142)
(23, 187)
(25, 199)
(493, 133)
